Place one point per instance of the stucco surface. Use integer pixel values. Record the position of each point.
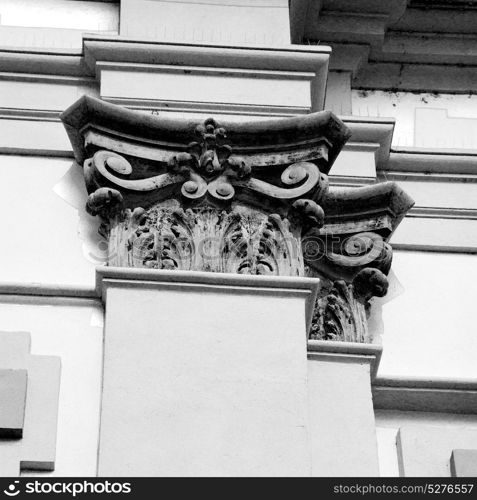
(204, 383)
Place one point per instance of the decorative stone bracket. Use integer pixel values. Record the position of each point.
(248, 198)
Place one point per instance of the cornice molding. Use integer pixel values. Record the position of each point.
(453, 49)
(443, 213)
(431, 161)
(45, 290)
(371, 131)
(43, 115)
(123, 49)
(46, 63)
(349, 57)
(237, 283)
(391, 44)
(425, 395)
(416, 77)
(290, 62)
(346, 352)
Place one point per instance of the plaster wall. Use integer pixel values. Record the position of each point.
(343, 438)
(429, 328)
(240, 22)
(446, 430)
(72, 330)
(45, 137)
(438, 194)
(241, 87)
(446, 234)
(44, 92)
(82, 14)
(204, 378)
(424, 120)
(57, 25)
(42, 234)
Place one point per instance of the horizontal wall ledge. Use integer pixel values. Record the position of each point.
(124, 49)
(443, 213)
(205, 282)
(416, 77)
(432, 161)
(293, 76)
(425, 395)
(430, 48)
(46, 63)
(47, 290)
(347, 352)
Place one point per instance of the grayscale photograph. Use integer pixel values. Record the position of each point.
(239, 240)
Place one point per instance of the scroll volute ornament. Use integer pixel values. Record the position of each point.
(208, 164)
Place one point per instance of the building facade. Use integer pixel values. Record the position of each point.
(240, 238)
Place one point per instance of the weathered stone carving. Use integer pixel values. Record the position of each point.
(343, 255)
(204, 238)
(248, 198)
(341, 312)
(205, 176)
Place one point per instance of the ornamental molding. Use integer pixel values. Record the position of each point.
(246, 198)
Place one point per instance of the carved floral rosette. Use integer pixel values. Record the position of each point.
(249, 198)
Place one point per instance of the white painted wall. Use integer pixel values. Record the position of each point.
(191, 393)
(389, 422)
(78, 14)
(241, 22)
(54, 25)
(240, 87)
(343, 437)
(429, 325)
(72, 330)
(45, 93)
(424, 120)
(43, 230)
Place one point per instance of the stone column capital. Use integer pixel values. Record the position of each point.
(247, 198)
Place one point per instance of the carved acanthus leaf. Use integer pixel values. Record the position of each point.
(258, 244)
(241, 241)
(341, 313)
